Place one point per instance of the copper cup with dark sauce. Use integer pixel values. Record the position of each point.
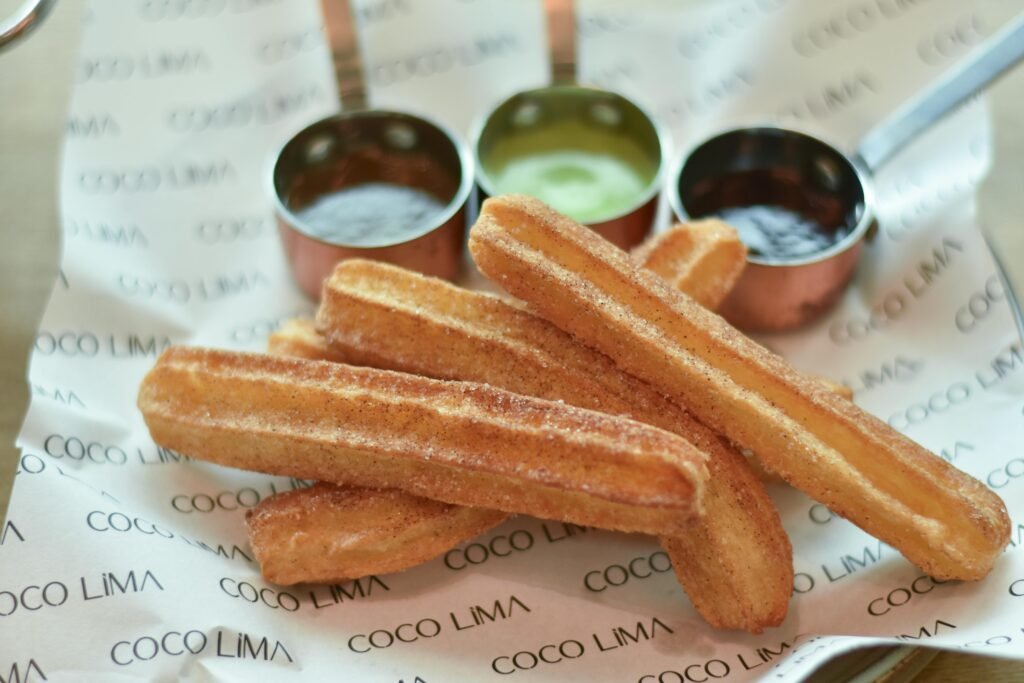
(369, 183)
(372, 184)
(803, 206)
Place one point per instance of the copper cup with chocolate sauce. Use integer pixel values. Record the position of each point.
(372, 184)
(801, 206)
(804, 207)
(369, 183)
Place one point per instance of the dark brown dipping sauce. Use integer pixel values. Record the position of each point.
(777, 216)
(372, 197)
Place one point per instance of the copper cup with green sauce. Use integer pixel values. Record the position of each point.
(589, 153)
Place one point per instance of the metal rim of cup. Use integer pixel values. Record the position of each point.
(650, 191)
(860, 172)
(452, 207)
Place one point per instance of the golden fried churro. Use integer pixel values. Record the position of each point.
(298, 338)
(330, 533)
(457, 442)
(766, 475)
(835, 387)
(387, 317)
(703, 258)
(735, 561)
(944, 521)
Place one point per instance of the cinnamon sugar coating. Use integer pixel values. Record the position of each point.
(944, 521)
(456, 442)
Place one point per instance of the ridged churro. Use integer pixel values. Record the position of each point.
(298, 338)
(456, 442)
(735, 561)
(330, 533)
(836, 388)
(944, 521)
(703, 258)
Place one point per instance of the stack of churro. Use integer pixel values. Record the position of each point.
(610, 398)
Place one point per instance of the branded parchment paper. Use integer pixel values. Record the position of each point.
(124, 561)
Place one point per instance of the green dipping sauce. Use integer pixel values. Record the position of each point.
(585, 171)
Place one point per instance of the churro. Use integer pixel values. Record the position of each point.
(456, 442)
(944, 521)
(703, 258)
(735, 561)
(298, 338)
(330, 533)
(836, 388)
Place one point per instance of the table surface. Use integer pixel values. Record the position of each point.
(35, 82)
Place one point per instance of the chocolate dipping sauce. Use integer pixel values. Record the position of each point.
(369, 214)
(777, 217)
(372, 197)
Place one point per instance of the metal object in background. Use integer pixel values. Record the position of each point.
(875, 665)
(561, 39)
(779, 292)
(372, 184)
(793, 187)
(340, 30)
(369, 183)
(23, 21)
(603, 113)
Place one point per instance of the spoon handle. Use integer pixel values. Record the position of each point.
(343, 40)
(992, 59)
(24, 20)
(561, 19)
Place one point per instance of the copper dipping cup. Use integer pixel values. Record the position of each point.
(809, 177)
(353, 148)
(596, 107)
(776, 294)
